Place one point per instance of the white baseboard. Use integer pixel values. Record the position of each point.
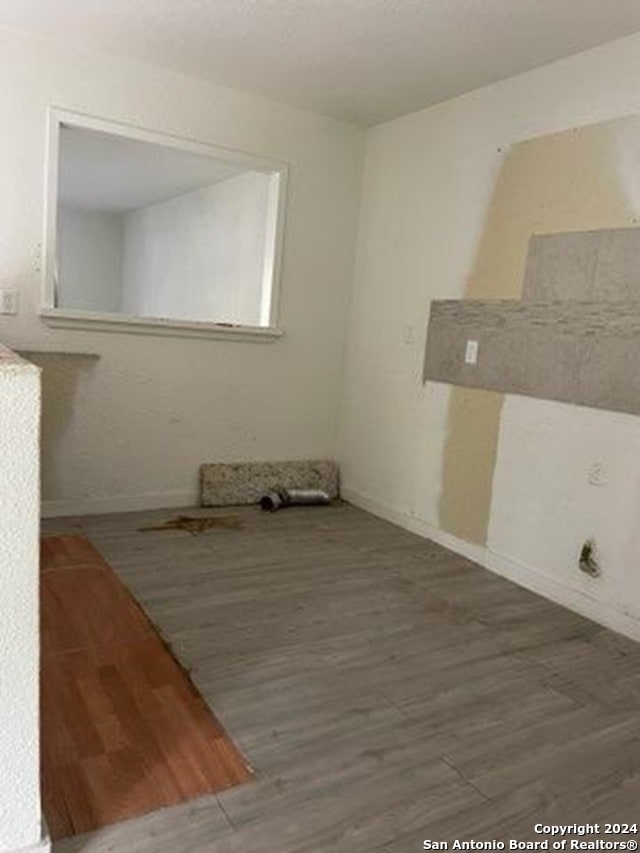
(606, 613)
(415, 525)
(119, 503)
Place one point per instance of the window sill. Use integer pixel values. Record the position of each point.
(60, 318)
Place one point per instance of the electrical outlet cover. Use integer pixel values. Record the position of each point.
(8, 301)
(471, 352)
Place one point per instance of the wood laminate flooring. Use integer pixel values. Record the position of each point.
(384, 689)
(124, 731)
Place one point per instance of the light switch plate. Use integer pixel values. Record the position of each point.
(8, 301)
(471, 352)
(409, 334)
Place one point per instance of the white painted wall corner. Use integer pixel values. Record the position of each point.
(603, 612)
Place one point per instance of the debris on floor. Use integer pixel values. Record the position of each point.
(281, 498)
(196, 525)
(237, 483)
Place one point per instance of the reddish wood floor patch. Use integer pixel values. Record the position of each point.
(124, 730)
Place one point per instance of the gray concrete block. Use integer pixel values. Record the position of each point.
(617, 271)
(561, 266)
(576, 352)
(229, 484)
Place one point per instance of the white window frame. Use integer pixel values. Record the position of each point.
(111, 322)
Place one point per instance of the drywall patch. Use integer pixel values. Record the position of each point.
(470, 453)
(62, 375)
(578, 180)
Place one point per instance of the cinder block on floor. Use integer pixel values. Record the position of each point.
(232, 484)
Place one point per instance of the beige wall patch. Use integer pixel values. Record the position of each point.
(578, 180)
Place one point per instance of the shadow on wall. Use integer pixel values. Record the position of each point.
(62, 377)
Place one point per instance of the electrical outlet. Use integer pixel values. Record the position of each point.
(471, 352)
(597, 474)
(8, 301)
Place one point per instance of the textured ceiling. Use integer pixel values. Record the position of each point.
(363, 60)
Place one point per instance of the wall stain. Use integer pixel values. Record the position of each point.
(578, 180)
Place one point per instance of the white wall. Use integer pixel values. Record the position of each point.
(427, 185)
(19, 634)
(565, 475)
(152, 408)
(199, 256)
(90, 257)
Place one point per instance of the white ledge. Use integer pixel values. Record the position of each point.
(95, 321)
